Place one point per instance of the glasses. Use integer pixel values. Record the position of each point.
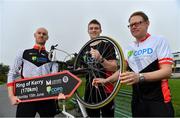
(137, 24)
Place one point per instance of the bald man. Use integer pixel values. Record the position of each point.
(29, 63)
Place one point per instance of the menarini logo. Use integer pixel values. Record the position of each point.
(143, 51)
(48, 82)
(53, 82)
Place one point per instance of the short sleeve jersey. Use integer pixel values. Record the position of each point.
(146, 56)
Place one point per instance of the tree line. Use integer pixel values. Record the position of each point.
(4, 69)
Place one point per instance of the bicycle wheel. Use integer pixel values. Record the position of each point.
(95, 97)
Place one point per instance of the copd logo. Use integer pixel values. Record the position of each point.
(54, 90)
(143, 51)
(130, 53)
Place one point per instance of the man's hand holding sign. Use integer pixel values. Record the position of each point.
(59, 85)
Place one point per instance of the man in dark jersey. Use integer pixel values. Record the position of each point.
(29, 63)
(150, 65)
(98, 52)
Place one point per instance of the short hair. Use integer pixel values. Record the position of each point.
(139, 13)
(94, 21)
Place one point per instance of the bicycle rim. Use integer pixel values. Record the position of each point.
(94, 99)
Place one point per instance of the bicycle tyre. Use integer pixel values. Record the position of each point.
(120, 63)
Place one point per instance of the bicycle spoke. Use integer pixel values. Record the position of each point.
(104, 93)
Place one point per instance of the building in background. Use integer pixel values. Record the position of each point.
(176, 66)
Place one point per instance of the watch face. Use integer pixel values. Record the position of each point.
(141, 78)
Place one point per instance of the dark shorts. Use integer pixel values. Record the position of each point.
(152, 109)
(107, 110)
(45, 108)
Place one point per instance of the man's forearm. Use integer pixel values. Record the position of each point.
(164, 73)
(114, 77)
(109, 65)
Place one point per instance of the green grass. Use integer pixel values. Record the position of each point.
(174, 85)
(126, 87)
(69, 105)
(175, 89)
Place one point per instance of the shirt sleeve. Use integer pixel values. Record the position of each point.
(14, 71)
(164, 53)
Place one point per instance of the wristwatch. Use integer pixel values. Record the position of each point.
(141, 78)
